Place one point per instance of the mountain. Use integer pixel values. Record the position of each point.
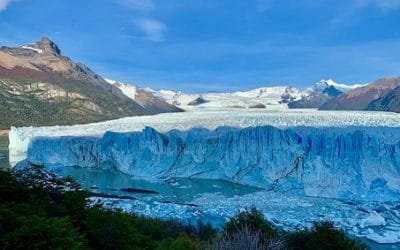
(255, 98)
(144, 98)
(389, 102)
(381, 95)
(320, 93)
(41, 86)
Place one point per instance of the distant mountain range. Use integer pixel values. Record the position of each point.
(278, 96)
(382, 95)
(41, 86)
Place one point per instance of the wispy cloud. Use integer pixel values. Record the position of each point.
(153, 29)
(385, 5)
(4, 4)
(140, 5)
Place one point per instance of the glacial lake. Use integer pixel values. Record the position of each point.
(178, 190)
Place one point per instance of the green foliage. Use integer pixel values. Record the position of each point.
(182, 242)
(206, 232)
(254, 220)
(324, 236)
(43, 233)
(110, 230)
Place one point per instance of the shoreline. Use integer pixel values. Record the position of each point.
(4, 132)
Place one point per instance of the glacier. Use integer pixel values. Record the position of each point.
(352, 163)
(341, 166)
(21, 137)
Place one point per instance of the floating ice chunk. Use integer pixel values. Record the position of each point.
(373, 219)
(387, 237)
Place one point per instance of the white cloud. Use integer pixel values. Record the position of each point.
(153, 29)
(385, 5)
(141, 5)
(4, 4)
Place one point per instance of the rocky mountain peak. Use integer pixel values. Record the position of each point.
(47, 45)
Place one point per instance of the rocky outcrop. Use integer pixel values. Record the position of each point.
(199, 100)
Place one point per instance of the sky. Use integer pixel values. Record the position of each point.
(216, 45)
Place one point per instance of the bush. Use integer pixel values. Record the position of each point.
(110, 230)
(183, 242)
(324, 236)
(34, 232)
(247, 238)
(253, 220)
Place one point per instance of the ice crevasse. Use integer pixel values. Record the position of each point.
(336, 162)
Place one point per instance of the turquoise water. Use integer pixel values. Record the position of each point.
(176, 190)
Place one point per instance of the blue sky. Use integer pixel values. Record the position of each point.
(210, 45)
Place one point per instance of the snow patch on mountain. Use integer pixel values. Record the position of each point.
(129, 90)
(31, 48)
(144, 98)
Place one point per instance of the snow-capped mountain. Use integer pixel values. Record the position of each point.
(255, 98)
(264, 97)
(381, 95)
(144, 98)
(320, 93)
(322, 85)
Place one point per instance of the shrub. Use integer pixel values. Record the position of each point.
(107, 229)
(34, 232)
(183, 242)
(252, 219)
(249, 239)
(323, 235)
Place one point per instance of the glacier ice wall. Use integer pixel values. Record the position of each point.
(348, 162)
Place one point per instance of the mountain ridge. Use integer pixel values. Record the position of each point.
(40, 86)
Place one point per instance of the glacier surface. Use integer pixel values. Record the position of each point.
(20, 138)
(351, 163)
